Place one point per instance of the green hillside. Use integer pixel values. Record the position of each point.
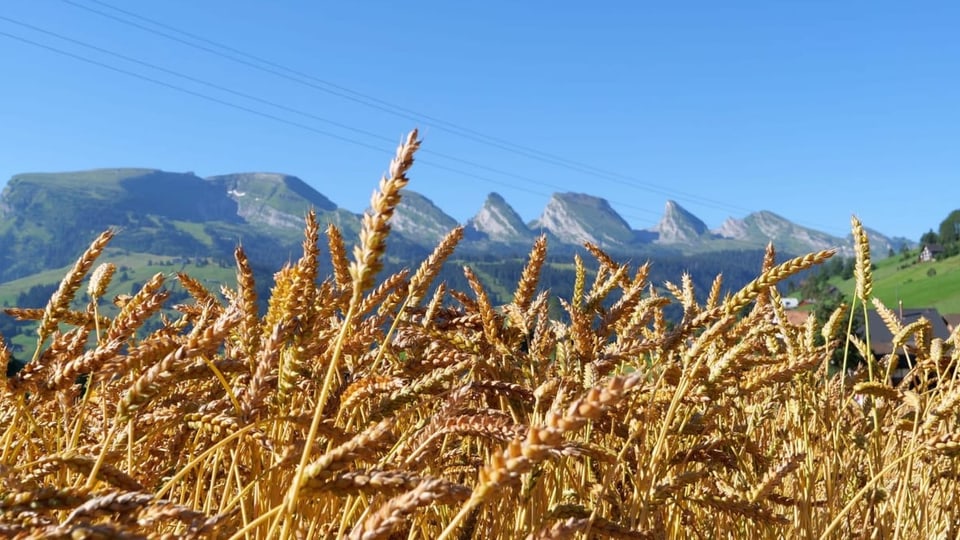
(133, 269)
(931, 284)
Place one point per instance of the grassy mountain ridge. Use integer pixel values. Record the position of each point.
(45, 219)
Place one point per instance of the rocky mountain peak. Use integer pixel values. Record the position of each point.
(499, 222)
(765, 226)
(678, 225)
(576, 218)
(420, 220)
(272, 199)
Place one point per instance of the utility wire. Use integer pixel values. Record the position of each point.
(288, 109)
(253, 111)
(308, 80)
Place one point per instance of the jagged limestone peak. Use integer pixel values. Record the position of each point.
(498, 221)
(678, 225)
(576, 218)
(420, 220)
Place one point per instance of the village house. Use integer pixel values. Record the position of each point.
(930, 252)
(790, 302)
(881, 339)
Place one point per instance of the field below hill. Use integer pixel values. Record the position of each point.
(133, 270)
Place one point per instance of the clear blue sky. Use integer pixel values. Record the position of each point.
(813, 110)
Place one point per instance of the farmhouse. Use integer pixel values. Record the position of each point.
(930, 252)
(881, 339)
(790, 303)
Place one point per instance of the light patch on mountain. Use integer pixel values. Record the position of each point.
(420, 220)
(499, 222)
(576, 218)
(762, 227)
(678, 226)
(274, 200)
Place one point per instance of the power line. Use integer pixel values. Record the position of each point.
(303, 113)
(263, 114)
(393, 109)
(286, 108)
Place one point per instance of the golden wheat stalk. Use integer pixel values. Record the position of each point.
(773, 276)
(203, 340)
(43, 499)
(431, 266)
(368, 261)
(397, 510)
(72, 317)
(862, 268)
(60, 301)
(122, 503)
(365, 444)
(491, 320)
(137, 309)
(305, 270)
(50, 465)
(531, 274)
(201, 295)
(100, 280)
(375, 225)
(249, 336)
(338, 258)
(541, 441)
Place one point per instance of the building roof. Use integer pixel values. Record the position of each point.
(797, 317)
(953, 321)
(881, 339)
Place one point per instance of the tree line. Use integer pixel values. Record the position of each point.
(947, 236)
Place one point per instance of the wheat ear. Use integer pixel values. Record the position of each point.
(431, 267)
(338, 258)
(396, 510)
(531, 274)
(375, 225)
(862, 268)
(773, 276)
(250, 334)
(60, 301)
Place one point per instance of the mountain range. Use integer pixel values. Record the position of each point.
(47, 218)
(570, 219)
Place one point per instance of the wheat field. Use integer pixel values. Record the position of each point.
(366, 406)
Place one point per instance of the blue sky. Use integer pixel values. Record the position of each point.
(813, 110)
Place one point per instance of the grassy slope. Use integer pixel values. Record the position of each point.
(196, 230)
(893, 282)
(138, 271)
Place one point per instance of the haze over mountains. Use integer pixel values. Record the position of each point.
(46, 219)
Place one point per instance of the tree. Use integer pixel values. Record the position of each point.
(849, 268)
(929, 237)
(950, 228)
(833, 267)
